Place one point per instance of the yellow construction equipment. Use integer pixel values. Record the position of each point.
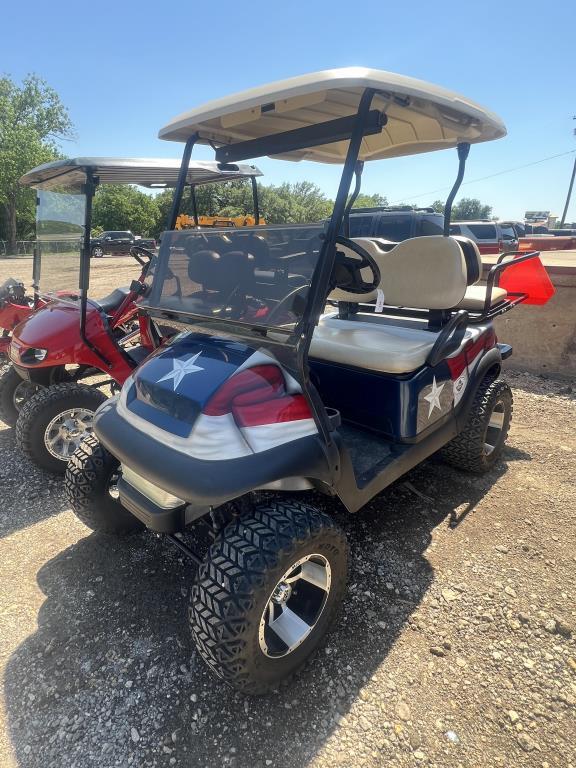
(187, 222)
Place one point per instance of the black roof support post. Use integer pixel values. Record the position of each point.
(37, 260)
(84, 283)
(353, 197)
(194, 204)
(320, 282)
(181, 183)
(255, 200)
(463, 150)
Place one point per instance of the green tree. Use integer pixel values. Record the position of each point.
(466, 209)
(283, 204)
(293, 203)
(125, 207)
(469, 208)
(32, 121)
(370, 201)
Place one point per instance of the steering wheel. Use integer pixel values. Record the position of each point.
(286, 304)
(346, 273)
(135, 252)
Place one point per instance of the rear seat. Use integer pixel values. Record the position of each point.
(421, 273)
(474, 296)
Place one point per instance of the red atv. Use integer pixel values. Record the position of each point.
(75, 345)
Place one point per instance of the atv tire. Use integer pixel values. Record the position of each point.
(250, 578)
(90, 487)
(14, 391)
(59, 416)
(480, 444)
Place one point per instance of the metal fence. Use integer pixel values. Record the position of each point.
(25, 248)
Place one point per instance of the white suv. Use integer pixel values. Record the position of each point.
(490, 236)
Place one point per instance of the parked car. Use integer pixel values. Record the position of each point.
(518, 226)
(490, 236)
(395, 224)
(118, 243)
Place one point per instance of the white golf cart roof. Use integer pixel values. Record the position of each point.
(421, 117)
(146, 172)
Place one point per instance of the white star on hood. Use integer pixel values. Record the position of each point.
(433, 397)
(182, 368)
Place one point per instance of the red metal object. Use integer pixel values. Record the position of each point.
(529, 277)
(549, 243)
(11, 315)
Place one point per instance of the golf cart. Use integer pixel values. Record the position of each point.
(263, 397)
(74, 337)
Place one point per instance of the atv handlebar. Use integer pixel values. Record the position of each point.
(135, 252)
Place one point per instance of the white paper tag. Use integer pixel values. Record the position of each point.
(379, 300)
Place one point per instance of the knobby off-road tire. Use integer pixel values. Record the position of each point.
(90, 481)
(479, 446)
(11, 384)
(33, 428)
(243, 570)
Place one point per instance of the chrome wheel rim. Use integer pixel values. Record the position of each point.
(98, 253)
(66, 431)
(494, 428)
(23, 392)
(295, 606)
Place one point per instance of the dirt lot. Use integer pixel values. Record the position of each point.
(62, 272)
(456, 647)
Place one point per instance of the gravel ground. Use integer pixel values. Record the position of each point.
(456, 647)
(61, 271)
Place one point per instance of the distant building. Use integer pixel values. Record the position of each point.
(540, 219)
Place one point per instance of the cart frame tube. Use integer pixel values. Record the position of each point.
(91, 183)
(463, 150)
(181, 183)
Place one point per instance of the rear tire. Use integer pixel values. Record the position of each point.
(14, 391)
(90, 485)
(480, 444)
(53, 423)
(247, 582)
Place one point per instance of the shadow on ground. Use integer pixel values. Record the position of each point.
(110, 677)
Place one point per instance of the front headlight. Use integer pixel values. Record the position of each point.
(29, 356)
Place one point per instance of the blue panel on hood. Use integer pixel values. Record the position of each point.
(172, 387)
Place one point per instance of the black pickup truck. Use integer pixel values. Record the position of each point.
(118, 243)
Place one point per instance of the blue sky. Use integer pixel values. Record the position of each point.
(125, 68)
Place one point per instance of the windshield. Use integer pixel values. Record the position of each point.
(395, 227)
(255, 276)
(60, 217)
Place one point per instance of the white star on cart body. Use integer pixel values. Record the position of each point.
(182, 368)
(433, 397)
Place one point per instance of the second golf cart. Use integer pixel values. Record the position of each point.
(59, 349)
(263, 397)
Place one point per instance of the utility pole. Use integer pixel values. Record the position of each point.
(569, 188)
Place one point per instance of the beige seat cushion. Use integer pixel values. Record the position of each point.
(422, 272)
(476, 294)
(375, 345)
